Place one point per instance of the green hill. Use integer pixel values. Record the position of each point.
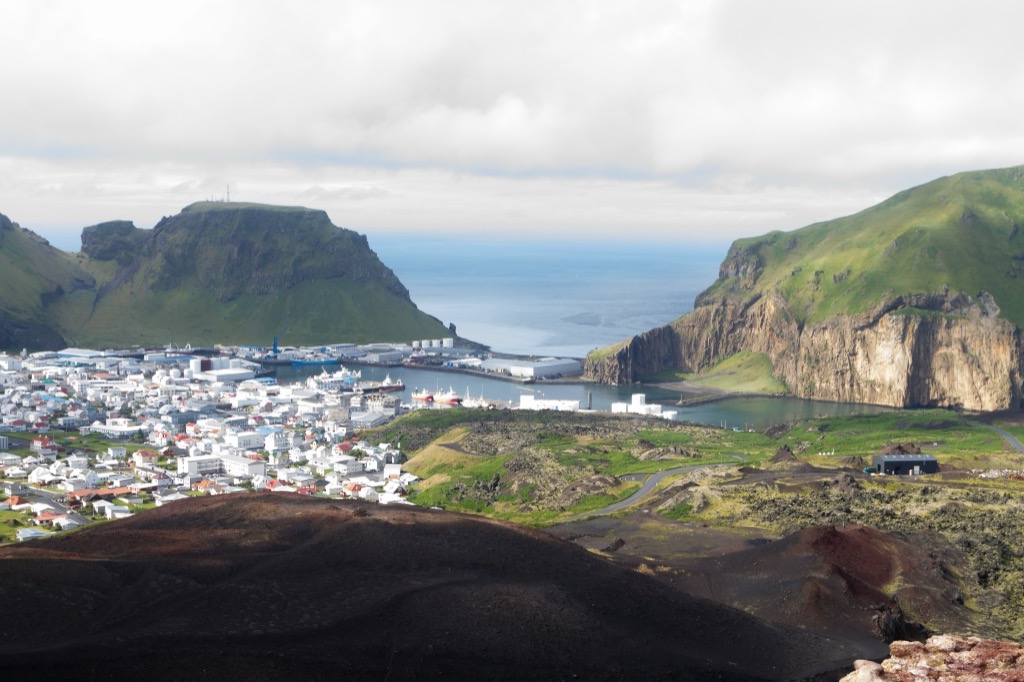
(962, 232)
(916, 301)
(214, 273)
(33, 274)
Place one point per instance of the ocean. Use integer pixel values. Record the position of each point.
(550, 297)
(563, 298)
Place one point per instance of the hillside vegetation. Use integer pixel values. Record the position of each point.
(32, 274)
(537, 467)
(214, 273)
(915, 302)
(962, 232)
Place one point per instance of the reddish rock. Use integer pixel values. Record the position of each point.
(949, 658)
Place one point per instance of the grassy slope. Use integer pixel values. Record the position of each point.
(29, 266)
(962, 231)
(310, 313)
(744, 372)
(184, 310)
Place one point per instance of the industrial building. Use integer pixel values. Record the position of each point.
(531, 402)
(911, 465)
(545, 368)
(638, 405)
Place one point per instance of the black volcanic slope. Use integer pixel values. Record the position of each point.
(271, 585)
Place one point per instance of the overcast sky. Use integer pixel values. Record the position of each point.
(696, 120)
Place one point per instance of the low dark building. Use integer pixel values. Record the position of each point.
(905, 464)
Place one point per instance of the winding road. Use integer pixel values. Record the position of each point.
(647, 486)
(655, 478)
(1007, 436)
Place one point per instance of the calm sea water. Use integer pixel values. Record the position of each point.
(556, 297)
(741, 413)
(550, 297)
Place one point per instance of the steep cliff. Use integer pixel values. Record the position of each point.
(956, 354)
(819, 303)
(214, 273)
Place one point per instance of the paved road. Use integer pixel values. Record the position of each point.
(645, 488)
(50, 498)
(1007, 436)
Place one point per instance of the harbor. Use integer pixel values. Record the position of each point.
(746, 412)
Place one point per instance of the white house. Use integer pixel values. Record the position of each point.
(349, 466)
(117, 511)
(8, 459)
(40, 476)
(170, 497)
(23, 534)
(200, 465)
(77, 462)
(64, 523)
(245, 440)
(276, 441)
(239, 466)
(145, 458)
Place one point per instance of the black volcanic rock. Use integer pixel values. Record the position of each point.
(115, 240)
(274, 586)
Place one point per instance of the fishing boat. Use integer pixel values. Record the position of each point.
(423, 395)
(449, 397)
(341, 381)
(314, 358)
(387, 385)
(481, 402)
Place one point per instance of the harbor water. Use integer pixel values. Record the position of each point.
(741, 412)
(558, 297)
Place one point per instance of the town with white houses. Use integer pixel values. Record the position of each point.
(88, 435)
(106, 438)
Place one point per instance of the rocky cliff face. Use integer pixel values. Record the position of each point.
(248, 249)
(939, 349)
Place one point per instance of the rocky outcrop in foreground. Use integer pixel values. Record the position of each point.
(950, 658)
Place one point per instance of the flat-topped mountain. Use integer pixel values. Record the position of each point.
(916, 301)
(214, 273)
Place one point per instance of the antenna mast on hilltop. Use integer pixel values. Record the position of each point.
(228, 199)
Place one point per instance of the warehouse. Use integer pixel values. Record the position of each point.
(545, 368)
(904, 464)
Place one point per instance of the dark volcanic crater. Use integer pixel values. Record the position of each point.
(268, 586)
